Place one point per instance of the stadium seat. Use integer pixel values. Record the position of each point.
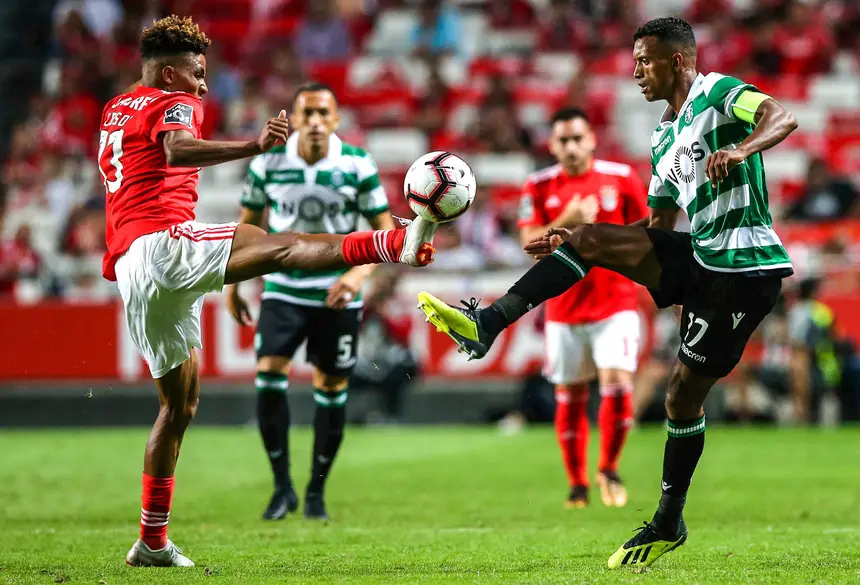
(508, 41)
(396, 147)
(835, 93)
(501, 169)
(786, 165)
(561, 67)
(474, 28)
(392, 33)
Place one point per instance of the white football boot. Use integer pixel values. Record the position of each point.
(141, 555)
(419, 241)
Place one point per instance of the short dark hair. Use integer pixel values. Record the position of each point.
(567, 114)
(173, 35)
(311, 87)
(669, 29)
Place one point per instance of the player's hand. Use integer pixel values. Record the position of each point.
(543, 246)
(342, 292)
(276, 131)
(238, 307)
(580, 210)
(719, 164)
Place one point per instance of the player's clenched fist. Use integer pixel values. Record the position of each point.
(276, 131)
(719, 164)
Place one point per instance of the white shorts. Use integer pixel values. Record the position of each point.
(574, 353)
(162, 279)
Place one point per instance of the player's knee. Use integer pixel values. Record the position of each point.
(180, 416)
(681, 403)
(329, 383)
(585, 240)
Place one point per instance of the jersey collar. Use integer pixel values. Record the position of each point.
(669, 114)
(335, 149)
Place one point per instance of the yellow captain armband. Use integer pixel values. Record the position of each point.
(747, 105)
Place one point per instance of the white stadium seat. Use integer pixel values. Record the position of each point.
(396, 147)
(785, 165)
(501, 169)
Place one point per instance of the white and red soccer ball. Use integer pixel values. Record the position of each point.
(439, 186)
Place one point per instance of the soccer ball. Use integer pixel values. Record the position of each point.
(439, 186)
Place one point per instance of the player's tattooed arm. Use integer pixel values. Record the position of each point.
(184, 150)
(773, 123)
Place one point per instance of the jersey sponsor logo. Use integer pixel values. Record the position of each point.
(608, 198)
(287, 176)
(736, 319)
(686, 158)
(180, 114)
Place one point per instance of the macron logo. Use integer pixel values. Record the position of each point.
(736, 317)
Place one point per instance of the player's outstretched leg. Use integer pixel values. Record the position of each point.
(684, 445)
(625, 249)
(178, 395)
(255, 253)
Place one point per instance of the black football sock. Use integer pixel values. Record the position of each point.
(548, 278)
(681, 455)
(329, 422)
(273, 416)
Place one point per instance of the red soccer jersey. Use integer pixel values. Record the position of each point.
(622, 198)
(144, 195)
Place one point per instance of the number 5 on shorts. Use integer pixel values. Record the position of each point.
(703, 326)
(344, 348)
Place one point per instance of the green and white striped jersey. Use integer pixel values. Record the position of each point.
(328, 197)
(730, 224)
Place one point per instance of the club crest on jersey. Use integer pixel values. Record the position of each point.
(336, 178)
(608, 198)
(180, 114)
(688, 115)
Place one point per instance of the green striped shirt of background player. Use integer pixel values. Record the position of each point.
(313, 120)
(664, 54)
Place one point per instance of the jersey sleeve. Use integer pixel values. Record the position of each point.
(659, 197)
(182, 112)
(722, 93)
(531, 213)
(635, 198)
(371, 197)
(254, 192)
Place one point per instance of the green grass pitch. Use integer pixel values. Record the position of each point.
(430, 505)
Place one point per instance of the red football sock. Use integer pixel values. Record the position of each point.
(155, 510)
(373, 247)
(571, 430)
(614, 419)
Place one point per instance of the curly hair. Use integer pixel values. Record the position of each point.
(668, 29)
(173, 35)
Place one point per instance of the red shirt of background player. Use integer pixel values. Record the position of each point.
(622, 199)
(144, 194)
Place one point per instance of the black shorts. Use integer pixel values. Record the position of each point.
(720, 310)
(332, 335)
